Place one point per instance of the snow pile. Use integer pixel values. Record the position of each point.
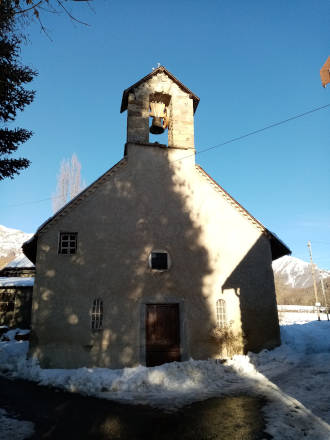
(12, 352)
(291, 378)
(296, 273)
(14, 429)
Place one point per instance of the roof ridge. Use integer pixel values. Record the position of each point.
(82, 195)
(231, 200)
(29, 247)
(160, 69)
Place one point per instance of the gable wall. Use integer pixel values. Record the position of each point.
(148, 205)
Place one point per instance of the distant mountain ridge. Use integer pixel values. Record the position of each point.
(294, 282)
(296, 273)
(293, 277)
(11, 241)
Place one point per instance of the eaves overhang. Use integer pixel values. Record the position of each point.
(160, 69)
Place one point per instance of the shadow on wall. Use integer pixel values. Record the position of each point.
(143, 207)
(257, 298)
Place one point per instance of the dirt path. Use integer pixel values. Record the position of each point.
(61, 415)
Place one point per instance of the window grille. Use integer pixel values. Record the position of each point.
(97, 314)
(7, 302)
(68, 243)
(221, 313)
(7, 308)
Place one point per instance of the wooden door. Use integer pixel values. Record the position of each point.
(162, 334)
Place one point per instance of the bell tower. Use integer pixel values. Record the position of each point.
(159, 103)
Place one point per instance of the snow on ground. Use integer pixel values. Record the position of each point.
(293, 379)
(14, 429)
(302, 317)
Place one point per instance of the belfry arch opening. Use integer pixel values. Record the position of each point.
(176, 105)
(159, 118)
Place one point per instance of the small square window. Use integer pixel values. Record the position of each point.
(67, 243)
(159, 260)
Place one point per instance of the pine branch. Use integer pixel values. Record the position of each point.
(10, 167)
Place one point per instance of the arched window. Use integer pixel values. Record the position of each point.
(221, 313)
(97, 314)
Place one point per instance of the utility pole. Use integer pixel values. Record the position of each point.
(325, 298)
(317, 304)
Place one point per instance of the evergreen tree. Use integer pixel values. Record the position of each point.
(13, 95)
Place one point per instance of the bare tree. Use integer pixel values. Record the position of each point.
(60, 197)
(30, 9)
(69, 182)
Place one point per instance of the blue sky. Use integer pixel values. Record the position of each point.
(251, 63)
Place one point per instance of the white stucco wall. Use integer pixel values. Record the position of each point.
(154, 200)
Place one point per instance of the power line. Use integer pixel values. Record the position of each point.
(267, 127)
(229, 141)
(29, 203)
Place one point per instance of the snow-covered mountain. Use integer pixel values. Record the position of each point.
(11, 241)
(296, 273)
(294, 282)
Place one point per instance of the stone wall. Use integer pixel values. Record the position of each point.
(180, 112)
(15, 306)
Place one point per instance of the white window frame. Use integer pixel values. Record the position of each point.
(221, 313)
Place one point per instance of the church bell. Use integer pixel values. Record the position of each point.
(157, 125)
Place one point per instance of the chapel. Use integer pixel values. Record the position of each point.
(154, 262)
